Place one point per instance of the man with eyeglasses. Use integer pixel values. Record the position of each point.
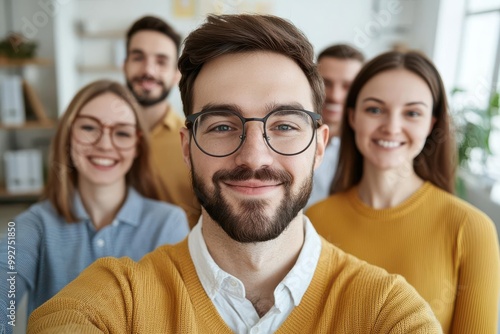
(254, 263)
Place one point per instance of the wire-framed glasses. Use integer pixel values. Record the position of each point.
(88, 130)
(220, 133)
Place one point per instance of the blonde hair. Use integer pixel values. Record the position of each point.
(63, 175)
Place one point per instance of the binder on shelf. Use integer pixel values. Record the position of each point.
(12, 176)
(12, 111)
(23, 171)
(33, 103)
(34, 177)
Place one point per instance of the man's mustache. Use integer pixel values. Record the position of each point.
(242, 174)
(148, 78)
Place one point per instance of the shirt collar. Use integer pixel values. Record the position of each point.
(334, 141)
(210, 274)
(129, 212)
(295, 283)
(298, 279)
(170, 119)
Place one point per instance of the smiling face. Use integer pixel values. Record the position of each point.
(337, 75)
(254, 193)
(392, 119)
(102, 163)
(151, 66)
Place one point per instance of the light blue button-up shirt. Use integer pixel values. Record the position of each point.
(228, 293)
(49, 252)
(323, 175)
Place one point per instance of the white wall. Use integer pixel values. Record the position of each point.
(447, 39)
(423, 35)
(3, 22)
(328, 22)
(65, 53)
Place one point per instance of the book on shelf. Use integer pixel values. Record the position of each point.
(33, 104)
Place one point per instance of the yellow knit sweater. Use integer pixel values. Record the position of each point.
(162, 294)
(444, 247)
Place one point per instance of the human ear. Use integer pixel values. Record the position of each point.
(177, 77)
(350, 116)
(185, 141)
(433, 121)
(322, 138)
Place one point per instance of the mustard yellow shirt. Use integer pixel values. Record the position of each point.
(444, 247)
(169, 164)
(162, 294)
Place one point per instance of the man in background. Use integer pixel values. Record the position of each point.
(151, 72)
(338, 65)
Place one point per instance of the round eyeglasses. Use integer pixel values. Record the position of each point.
(220, 133)
(88, 130)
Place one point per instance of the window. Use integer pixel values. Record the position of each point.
(478, 72)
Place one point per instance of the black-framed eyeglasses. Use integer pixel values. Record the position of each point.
(88, 130)
(220, 133)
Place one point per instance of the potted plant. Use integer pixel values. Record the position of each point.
(17, 47)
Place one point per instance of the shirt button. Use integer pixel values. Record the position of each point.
(233, 283)
(100, 243)
(254, 330)
(115, 223)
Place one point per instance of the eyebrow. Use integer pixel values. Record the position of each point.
(103, 123)
(140, 52)
(406, 104)
(269, 107)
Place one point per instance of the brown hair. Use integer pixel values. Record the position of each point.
(437, 160)
(155, 24)
(342, 51)
(63, 175)
(227, 34)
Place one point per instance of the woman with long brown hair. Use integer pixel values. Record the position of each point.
(392, 201)
(100, 198)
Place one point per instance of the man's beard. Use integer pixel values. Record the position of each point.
(144, 99)
(251, 224)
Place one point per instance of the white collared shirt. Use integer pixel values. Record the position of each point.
(228, 292)
(323, 175)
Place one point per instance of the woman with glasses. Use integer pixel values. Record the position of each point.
(392, 200)
(100, 199)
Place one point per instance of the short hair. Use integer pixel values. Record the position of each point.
(63, 175)
(437, 160)
(342, 51)
(154, 24)
(230, 34)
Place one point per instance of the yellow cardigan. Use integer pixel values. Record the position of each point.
(162, 294)
(168, 163)
(444, 247)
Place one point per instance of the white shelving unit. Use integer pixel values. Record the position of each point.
(39, 121)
